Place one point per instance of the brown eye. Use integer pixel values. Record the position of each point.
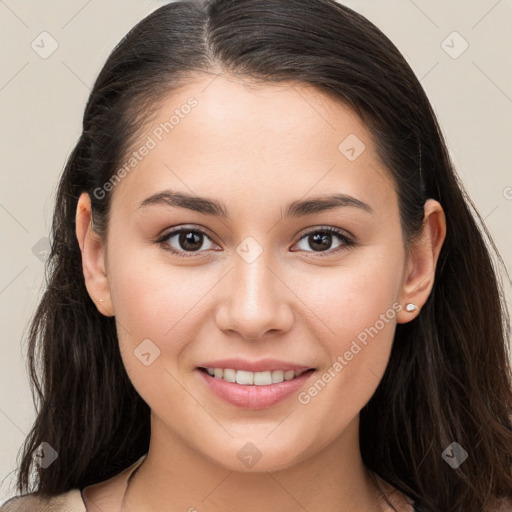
(185, 240)
(321, 240)
(190, 240)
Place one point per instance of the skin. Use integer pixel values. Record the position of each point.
(255, 149)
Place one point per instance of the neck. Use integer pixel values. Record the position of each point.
(176, 477)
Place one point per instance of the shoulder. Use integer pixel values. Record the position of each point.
(70, 501)
(73, 500)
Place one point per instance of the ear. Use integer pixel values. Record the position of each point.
(93, 257)
(422, 260)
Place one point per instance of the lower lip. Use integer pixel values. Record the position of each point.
(252, 396)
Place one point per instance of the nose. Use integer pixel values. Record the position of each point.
(255, 301)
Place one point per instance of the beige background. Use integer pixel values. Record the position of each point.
(42, 101)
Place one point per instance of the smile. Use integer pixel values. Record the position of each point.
(247, 378)
(253, 390)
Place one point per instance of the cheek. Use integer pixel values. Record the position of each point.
(159, 302)
(357, 307)
(152, 298)
(157, 308)
(351, 297)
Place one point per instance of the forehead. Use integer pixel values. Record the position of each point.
(222, 137)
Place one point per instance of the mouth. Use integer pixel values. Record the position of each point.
(248, 378)
(253, 390)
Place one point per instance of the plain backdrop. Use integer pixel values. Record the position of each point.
(51, 52)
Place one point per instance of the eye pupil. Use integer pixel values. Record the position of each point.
(324, 239)
(188, 238)
(192, 240)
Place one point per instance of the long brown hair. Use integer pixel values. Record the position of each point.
(448, 378)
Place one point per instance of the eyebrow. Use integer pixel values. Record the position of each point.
(212, 207)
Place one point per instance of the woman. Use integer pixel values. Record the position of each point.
(267, 287)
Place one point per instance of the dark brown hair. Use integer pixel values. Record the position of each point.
(448, 377)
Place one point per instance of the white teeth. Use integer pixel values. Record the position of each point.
(262, 378)
(243, 377)
(253, 378)
(229, 375)
(277, 376)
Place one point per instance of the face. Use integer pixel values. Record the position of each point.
(258, 226)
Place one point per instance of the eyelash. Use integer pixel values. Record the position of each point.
(347, 241)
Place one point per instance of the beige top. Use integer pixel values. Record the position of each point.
(70, 501)
(73, 500)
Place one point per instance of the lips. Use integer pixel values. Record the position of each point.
(263, 365)
(253, 384)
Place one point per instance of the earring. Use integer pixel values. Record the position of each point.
(101, 300)
(411, 307)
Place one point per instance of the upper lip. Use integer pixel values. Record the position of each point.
(263, 365)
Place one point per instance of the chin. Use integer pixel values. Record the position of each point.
(256, 457)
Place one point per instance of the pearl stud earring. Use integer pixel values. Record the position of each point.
(411, 307)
